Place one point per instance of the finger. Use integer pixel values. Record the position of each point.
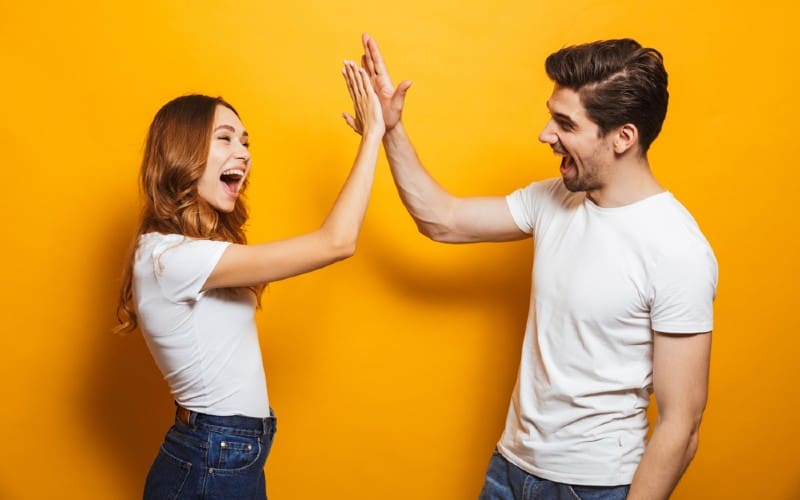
(371, 47)
(367, 83)
(366, 59)
(355, 80)
(349, 83)
(351, 122)
(363, 81)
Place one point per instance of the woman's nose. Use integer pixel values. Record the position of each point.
(243, 153)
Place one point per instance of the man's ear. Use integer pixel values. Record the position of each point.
(625, 138)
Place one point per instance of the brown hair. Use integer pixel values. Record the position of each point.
(618, 81)
(175, 156)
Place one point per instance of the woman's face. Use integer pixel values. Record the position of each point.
(228, 161)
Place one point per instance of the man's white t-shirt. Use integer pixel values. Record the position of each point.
(603, 280)
(205, 343)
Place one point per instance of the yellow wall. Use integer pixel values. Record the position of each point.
(391, 372)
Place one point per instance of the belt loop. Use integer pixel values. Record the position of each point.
(188, 417)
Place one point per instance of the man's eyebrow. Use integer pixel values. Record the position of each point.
(559, 116)
(563, 117)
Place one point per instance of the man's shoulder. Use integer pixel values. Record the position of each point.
(552, 190)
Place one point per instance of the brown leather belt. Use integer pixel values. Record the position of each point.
(182, 414)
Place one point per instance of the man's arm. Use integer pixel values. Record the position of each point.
(680, 383)
(438, 214)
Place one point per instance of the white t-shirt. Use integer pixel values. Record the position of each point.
(603, 280)
(205, 343)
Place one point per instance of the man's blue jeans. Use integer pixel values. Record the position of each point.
(506, 481)
(212, 457)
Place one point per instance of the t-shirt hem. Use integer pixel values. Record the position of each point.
(517, 213)
(583, 480)
(682, 328)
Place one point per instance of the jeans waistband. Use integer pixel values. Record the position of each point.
(193, 419)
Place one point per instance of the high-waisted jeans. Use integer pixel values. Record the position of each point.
(212, 457)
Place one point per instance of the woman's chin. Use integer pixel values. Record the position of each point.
(224, 206)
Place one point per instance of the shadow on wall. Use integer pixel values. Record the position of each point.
(127, 403)
(491, 277)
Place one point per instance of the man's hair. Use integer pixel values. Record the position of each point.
(618, 82)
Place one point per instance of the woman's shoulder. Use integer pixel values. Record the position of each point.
(156, 244)
(156, 239)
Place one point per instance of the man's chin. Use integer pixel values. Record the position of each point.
(573, 185)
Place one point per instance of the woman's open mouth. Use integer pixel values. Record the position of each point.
(232, 180)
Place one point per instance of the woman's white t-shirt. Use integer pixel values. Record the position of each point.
(205, 343)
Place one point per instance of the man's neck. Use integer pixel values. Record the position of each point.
(626, 182)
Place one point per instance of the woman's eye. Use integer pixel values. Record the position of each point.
(246, 144)
(224, 138)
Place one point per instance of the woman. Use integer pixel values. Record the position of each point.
(193, 284)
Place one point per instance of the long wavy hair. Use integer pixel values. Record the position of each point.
(175, 157)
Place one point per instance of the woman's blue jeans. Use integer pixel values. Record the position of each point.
(212, 457)
(506, 481)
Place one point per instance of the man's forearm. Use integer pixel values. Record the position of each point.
(426, 201)
(665, 459)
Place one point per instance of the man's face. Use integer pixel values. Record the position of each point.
(585, 155)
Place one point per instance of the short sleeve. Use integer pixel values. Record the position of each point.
(183, 265)
(683, 291)
(526, 204)
(519, 204)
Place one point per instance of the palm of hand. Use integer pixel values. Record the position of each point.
(391, 104)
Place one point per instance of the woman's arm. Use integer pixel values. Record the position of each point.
(249, 265)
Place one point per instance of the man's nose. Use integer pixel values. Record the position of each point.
(548, 135)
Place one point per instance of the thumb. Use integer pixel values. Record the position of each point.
(351, 122)
(402, 88)
(399, 97)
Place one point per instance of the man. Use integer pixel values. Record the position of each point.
(623, 283)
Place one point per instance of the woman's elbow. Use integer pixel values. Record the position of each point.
(343, 248)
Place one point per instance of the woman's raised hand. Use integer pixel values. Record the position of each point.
(368, 119)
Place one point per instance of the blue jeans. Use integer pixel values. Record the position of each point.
(506, 481)
(212, 457)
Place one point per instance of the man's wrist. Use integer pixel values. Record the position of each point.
(395, 131)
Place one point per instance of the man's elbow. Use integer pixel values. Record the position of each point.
(433, 232)
(687, 432)
(439, 231)
(694, 438)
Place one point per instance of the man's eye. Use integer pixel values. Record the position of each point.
(565, 125)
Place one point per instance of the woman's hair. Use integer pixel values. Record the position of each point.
(618, 81)
(175, 157)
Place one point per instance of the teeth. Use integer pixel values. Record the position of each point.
(234, 171)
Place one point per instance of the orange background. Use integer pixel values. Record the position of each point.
(391, 372)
